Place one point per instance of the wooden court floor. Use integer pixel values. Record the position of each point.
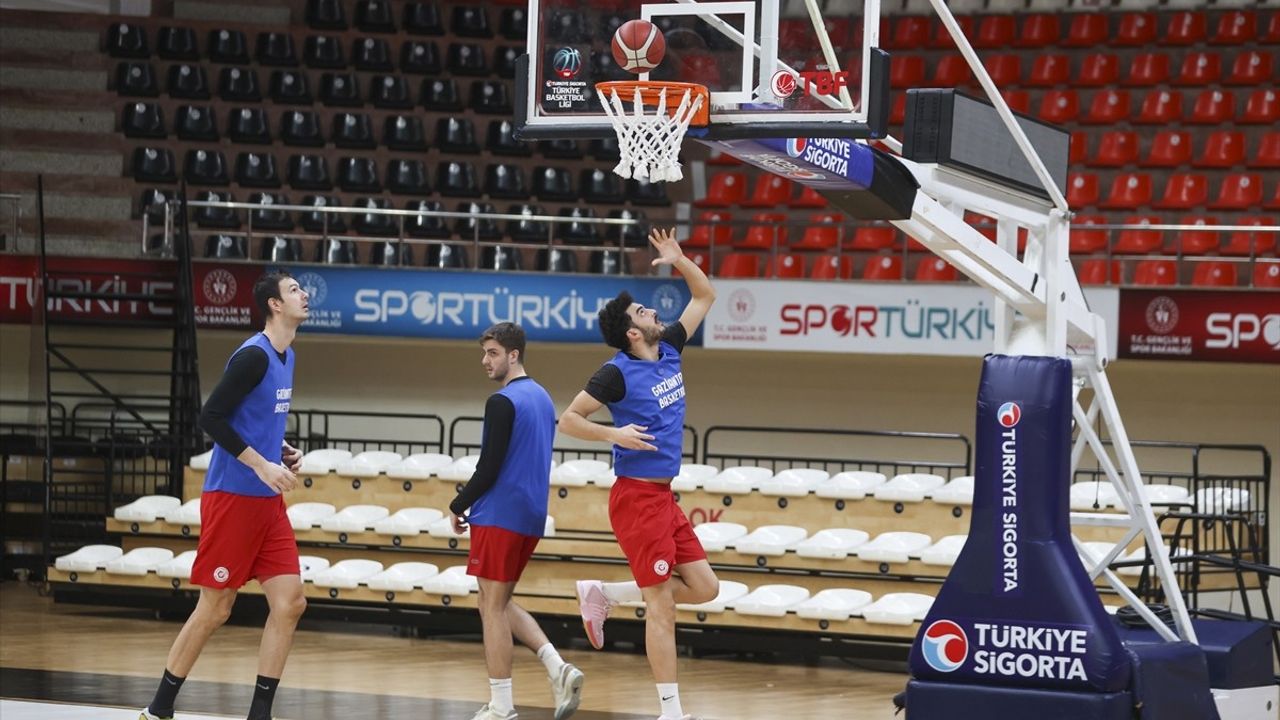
(112, 657)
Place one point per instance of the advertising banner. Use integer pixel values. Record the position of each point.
(1171, 324)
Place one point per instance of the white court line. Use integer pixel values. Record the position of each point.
(25, 710)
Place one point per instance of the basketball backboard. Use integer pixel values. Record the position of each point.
(774, 68)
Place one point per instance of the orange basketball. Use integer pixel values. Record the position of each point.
(638, 46)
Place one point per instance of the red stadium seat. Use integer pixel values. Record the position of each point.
(701, 259)
(1098, 69)
(1084, 239)
(822, 234)
(951, 71)
(1059, 106)
(1271, 34)
(1136, 30)
(789, 266)
(1214, 274)
(1235, 27)
(766, 229)
(712, 229)
(1239, 192)
(1155, 272)
(1194, 242)
(1038, 31)
(1213, 107)
(830, 267)
(1266, 275)
(1139, 242)
(1079, 148)
(898, 113)
(793, 34)
(1082, 190)
(1160, 107)
(1169, 148)
(1223, 149)
(701, 68)
(883, 267)
(1184, 192)
(995, 31)
(769, 190)
(1019, 100)
(740, 265)
(1087, 29)
(1094, 272)
(943, 40)
(906, 71)
(1246, 243)
(1199, 68)
(727, 188)
(910, 32)
(1147, 70)
(1184, 28)
(808, 198)
(873, 237)
(1117, 149)
(1250, 68)
(1268, 154)
(935, 269)
(1274, 202)
(1108, 107)
(1050, 69)
(1263, 106)
(1129, 191)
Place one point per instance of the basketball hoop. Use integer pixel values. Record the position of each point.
(649, 141)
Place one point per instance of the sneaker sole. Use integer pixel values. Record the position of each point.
(575, 697)
(586, 624)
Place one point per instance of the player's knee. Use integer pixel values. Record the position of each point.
(706, 591)
(292, 607)
(215, 613)
(660, 606)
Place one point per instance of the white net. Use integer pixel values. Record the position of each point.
(649, 139)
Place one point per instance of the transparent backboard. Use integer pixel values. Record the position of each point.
(768, 64)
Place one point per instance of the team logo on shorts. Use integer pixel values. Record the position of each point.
(221, 575)
(944, 646)
(661, 567)
(1009, 414)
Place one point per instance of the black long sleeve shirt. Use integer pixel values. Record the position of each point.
(243, 373)
(499, 419)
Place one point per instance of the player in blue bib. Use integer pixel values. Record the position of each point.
(643, 387)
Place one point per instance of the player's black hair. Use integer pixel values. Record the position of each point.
(615, 322)
(507, 334)
(267, 288)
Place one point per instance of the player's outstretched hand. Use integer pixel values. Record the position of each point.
(459, 523)
(291, 457)
(664, 241)
(634, 437)
(277, 477)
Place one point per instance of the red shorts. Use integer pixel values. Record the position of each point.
(499, 554)
(243, 537)
(652, 530)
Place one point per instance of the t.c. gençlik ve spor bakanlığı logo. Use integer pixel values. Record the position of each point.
(944, 645)
(1009, 414)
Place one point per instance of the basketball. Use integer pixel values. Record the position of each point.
(638, 46)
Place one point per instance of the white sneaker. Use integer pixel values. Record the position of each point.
(487, 713)
(566, 686)
(145, 714)
(594, 607)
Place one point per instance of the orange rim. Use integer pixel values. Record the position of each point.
(651, 91)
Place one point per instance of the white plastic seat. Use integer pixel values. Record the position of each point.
(893, 547)
(945, 551)
(369, 463)
(716, 536)
(1049, 6)
(179, 567)
(407, 521)
(1222, 500)
(957, 492)
(771, 600)
(1092, 552)
(738, 480)
(452, 581)
(834, 604)
(88, 558)
(730, 592)
(1006, 7)
(188, 514)
(323, 462)
(139, 561)
(347, 573)
(459, 470)
(898, 609)
(304, 516)
(310, 565)
(354, 518)
(1084, 495)
(147, 509)
(419, 467)
(909, 487)
(443, 528)
(794, 482)
(604, 480)
(835, 543)
(693, 476)
(849, 485)
(771, 540)
(1141, 554)
(201, 461)
(549, 527)
(577, 473)
(402, 577)
(1166, 494)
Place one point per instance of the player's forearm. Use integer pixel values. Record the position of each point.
(575, 425)
(699, 284)
(252, 458)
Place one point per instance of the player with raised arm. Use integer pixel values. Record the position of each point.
(643, 387)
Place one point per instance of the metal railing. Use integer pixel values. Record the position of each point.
(884, 451)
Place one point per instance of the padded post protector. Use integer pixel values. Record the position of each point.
(1238, 652)
(1171, 682)
(947, 701)
(1018, 608)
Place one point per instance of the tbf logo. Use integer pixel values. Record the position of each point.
(1009, 414)
(1229, 330)
(810, 82)
(945, 646)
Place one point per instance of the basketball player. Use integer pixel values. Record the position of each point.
(643, 386)
(244, 531)
(507, 496)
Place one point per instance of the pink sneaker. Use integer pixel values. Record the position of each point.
(595, 610)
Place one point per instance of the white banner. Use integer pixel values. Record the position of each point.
(896, 319)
